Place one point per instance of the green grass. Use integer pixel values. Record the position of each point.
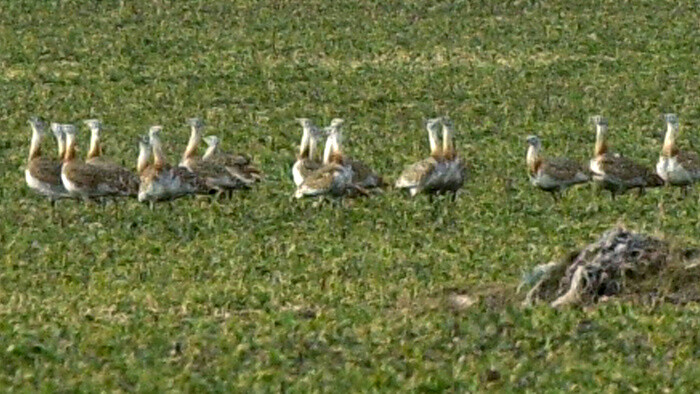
(267, 294)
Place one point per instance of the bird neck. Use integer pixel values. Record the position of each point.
(313, 147)
(70, 148)
(95, 149)
(448, 149)
(142, 161)
(601, 147)
(158, 157)
(304, 145)
(61, 143)
(669, 148)
(435, 150)
(328, 149)
(191, 149)
(534, 160)
(35, 145)
(211, 149)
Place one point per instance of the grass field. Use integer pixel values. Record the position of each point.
(269, 294)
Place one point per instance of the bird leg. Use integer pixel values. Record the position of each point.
(361, 190)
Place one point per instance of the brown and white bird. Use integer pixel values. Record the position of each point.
(216, 176)
(307, 160)
(43, 174)
(160, 181)
(362, 175)
(677, 167)
(94, 155)
(333, 178)
(552, 175)
(89, 181)
(426, 176)
(614, 172)
(60, 140)
(237, 165)
(455, 173)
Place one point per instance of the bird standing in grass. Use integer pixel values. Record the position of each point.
(60, 140)
(616, 173)
(677, 167)
(307, 160)
(552, 175)
(333, 178)
(238, 166)
(216, 176)
(94, 155)
(90, 181)
(43, 175)
(362, 175)
(160, 181)
(454, 175)
(426, 176)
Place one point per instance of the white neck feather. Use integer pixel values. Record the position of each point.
(142, 161)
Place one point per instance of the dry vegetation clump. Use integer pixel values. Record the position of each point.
(620, 263)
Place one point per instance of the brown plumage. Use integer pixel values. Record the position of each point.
(90, 181)
(307, 161)
(616, 173)
(159, 181)
(455, 174)
(426, 175)
(677, 167)
(216, 176)
(95, 152)
(333, 178)
(43, 175)
(237, 165)
(362, 175)
(552, 175)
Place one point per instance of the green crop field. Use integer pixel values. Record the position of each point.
(265, 293)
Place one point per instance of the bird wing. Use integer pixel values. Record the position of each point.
(46, 170)
(228, 159)
(101, 161)
(362, 174)
(416, 173)
(562, 168)
(623, 168)
(689, 160)
(215, 175)
(102, 180)
(189, 177)
(319, 181)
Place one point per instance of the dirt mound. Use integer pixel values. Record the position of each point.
(619, 263)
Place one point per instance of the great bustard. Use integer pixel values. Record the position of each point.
(307, 160)
(333, 178)
(90, 181)
(677, 167)
(454, 175)
(614, 172)
(552, 175)
(426, 176)
(362, 175)
(43, 175)
(216, 176)
(238, 166)
(160, 181)
(94, 155)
